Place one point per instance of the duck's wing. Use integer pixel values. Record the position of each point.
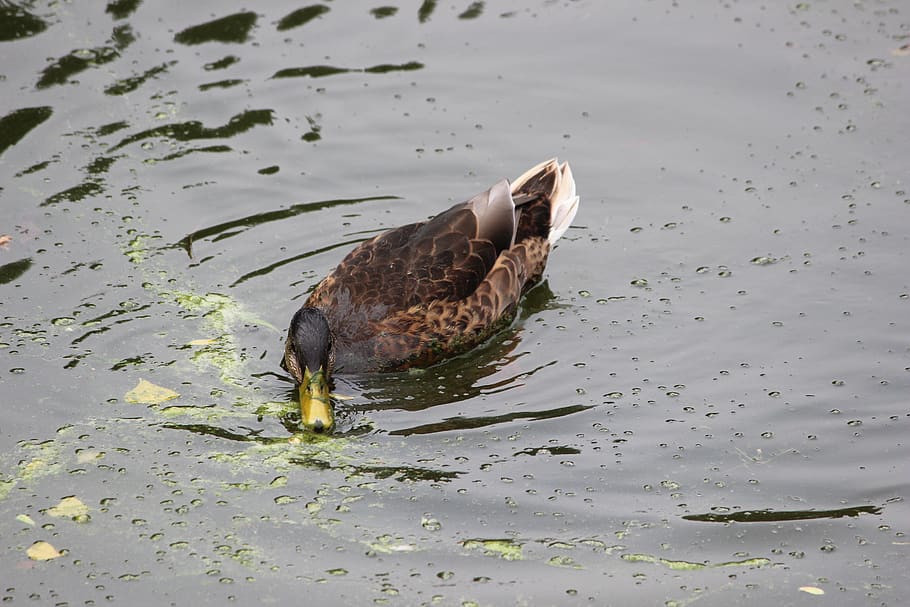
(443, 259)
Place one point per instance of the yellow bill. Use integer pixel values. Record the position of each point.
(316, 411)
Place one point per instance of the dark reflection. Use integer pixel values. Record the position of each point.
(301, 16)
(18, 123)
(399, 473)
(121, 9)
(560, 450)
(94, 185)
(248, 435)
(473, 11)
(403, 472)
(233, 28)
(79, 60)
(208, 149)
(108, 129)
(13, 270)
(426, 10)
(223, 63)
(467, 423)
(128, 85)
(193, 129)
(320, 71)
(777, 516)
(16, 23)
(76, 193)
(221, 84)
(234, 227)
(381, 12)
(265, 270)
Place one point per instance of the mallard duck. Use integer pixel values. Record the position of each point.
(416, 294)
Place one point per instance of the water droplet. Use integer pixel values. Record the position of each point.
(430, 523)
(639, 282)
(584, 293)
(763, 260)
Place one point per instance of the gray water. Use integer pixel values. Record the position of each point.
(705, 402)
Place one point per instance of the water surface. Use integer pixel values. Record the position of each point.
(705, 401)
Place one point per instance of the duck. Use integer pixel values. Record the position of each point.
(426, 291)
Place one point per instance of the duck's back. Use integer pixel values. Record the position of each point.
(424, 291)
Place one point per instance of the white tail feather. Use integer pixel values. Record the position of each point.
(563, 203)
(563, 199)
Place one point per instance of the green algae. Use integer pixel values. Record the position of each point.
(390, 544)
(41, 458)
(509, 550)
(566, 562)
(691, 566)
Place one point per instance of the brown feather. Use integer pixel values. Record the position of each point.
(424, 291)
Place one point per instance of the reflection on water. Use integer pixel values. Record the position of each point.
(772, 516)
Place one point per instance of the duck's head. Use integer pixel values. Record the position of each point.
(309, 356)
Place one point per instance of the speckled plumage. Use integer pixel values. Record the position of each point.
(424, 291)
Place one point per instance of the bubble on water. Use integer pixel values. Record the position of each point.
(639, 282)
(430, 523)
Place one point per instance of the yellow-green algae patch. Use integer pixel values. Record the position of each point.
(42, 458)
(507, 549)
(70, 507)
(566, 562)
(690, 566)
(389, 544)
(147, 393)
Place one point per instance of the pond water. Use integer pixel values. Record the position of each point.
(705, 401)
